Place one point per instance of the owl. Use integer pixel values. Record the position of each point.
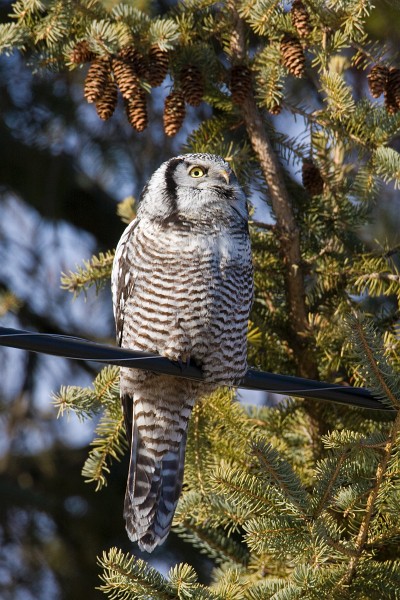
(182, 284)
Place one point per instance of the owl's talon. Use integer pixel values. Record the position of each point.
(183, 362)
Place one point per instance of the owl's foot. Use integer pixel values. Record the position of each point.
(183, 361)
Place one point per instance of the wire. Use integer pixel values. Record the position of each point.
(80, 349)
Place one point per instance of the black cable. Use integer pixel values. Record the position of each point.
(80, 349)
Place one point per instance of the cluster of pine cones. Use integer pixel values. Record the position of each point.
(292, 56)
(124, 71)
(191, 91)
(386, 80)
(292, 52)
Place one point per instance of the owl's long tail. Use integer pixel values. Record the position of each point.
(158, 444)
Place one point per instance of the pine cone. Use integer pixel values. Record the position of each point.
(240, 83)
(301, 19)
(158, 66)
(392, 91)
(106, 104)
(174, 113)
(377, 80)
(191, 84)
(311, 177)
(96, 79)
(134, 58)
(292, 55)
(81, 53)
(136, 111)
(125, 77)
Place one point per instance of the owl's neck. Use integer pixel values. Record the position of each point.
(203, 224)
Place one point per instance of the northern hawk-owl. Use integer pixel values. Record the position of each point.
(182, 285)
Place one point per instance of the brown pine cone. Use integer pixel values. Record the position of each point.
(311, 177)
(96, 79)
(174, 113)
(138, 62)
(81, 53)
(106, 104)
(136, 111)
(240, 83)
(392, 92)
(191, 84)
(377, 80)
(301, 19)
(125, 77)
(158, 66)
(292, 55)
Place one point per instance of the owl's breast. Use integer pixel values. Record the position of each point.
(191, 297)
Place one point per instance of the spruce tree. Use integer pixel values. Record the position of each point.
(302, 500)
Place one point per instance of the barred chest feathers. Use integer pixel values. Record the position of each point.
(182, 286)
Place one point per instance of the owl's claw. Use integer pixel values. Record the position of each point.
(183, 361)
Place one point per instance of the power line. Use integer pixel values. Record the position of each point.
(81, 349)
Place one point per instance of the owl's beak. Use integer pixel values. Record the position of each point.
(225, 175)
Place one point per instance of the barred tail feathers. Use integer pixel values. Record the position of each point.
(158, 444)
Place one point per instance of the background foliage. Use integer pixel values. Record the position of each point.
(303, 99)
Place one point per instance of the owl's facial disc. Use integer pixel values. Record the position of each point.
(194, 188)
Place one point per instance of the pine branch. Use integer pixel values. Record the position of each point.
(126, 577)
(232, 582)
(110, 444)
(183, 579)
(387, 163)
(248, 493)
(9, 302)
(261, 590)
(379, 276)
(277, 535)
(12, 35)
(126, 209)
(212, 542)
(280, 473)
(96, 271)
(86, 402)
(338, 95)
(377, 580)
(322, 503)
(384, 382)
(352, 458)
(83, 402)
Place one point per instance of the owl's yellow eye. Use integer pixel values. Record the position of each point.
(196, 172)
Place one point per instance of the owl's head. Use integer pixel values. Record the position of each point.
(194, 188)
